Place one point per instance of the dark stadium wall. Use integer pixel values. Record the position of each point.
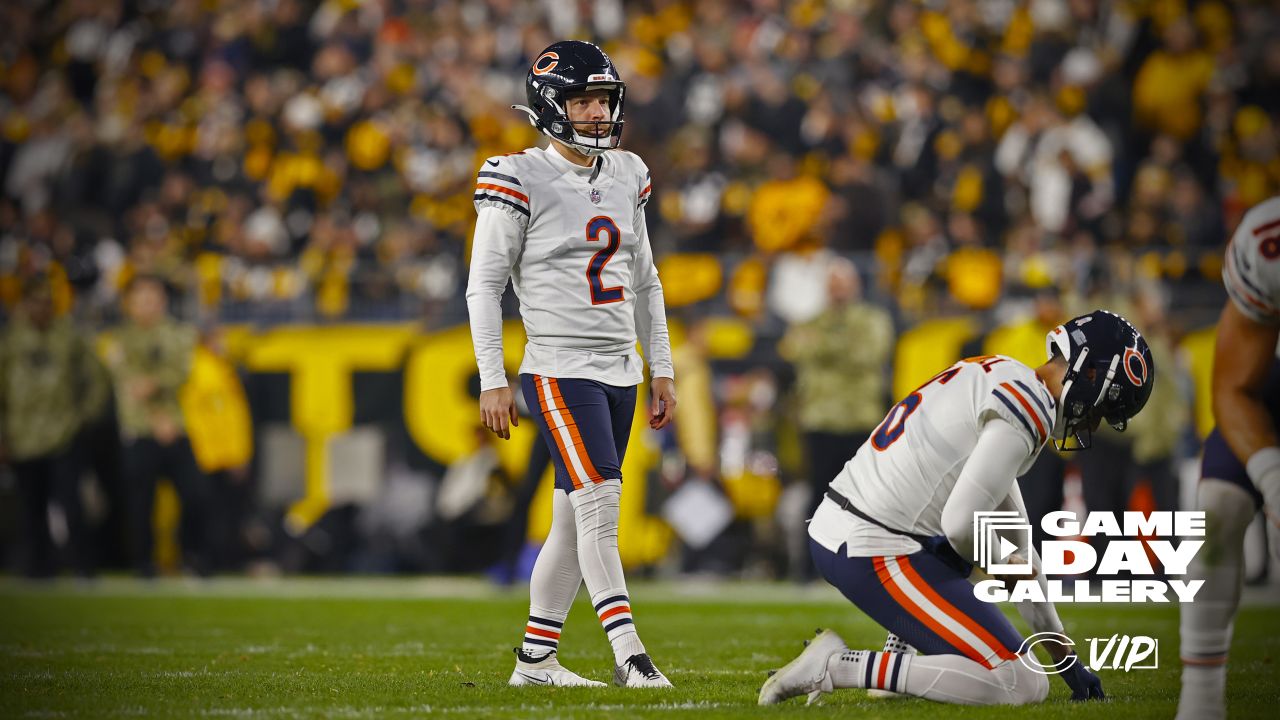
(333, 387)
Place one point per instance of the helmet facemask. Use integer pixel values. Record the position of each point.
(550, 114)
(1074, 411)
(1093, 387)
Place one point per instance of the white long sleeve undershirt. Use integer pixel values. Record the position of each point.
(494, 251)
(988, 482)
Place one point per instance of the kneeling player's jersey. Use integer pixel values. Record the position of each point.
(580, 262)
(903, 475)
(1251, 270)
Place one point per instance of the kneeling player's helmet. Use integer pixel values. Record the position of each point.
(1121, 378)
(562, 69)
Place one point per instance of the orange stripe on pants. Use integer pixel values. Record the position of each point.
(546, 402)
(919, 613)
(572, 425)
(952, 611)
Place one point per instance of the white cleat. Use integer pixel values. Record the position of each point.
(638, 672)
(893, 643)
(546, 670)
(807, 674)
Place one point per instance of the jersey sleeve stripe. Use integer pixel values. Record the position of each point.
(1040, 434)
(1016, 413)
(1239, 291)
(1236, 256)
(1263, 228)
(499, 176)
(494, 198)
(1032, 394)
(504, 190)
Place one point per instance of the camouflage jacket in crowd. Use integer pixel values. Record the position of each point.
(840, 359)
(149, 367)
(50, 384)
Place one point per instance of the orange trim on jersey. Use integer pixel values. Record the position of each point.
(647, 188)
(504, 190)
(1242, 290)
(952, 611)
(1263, 228)
(531, 630)
(919, 613)
(614, 611)
(546, 403)
(1035, 417)
(584, 457)
(884, 670)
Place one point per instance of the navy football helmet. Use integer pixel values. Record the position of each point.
(1121, 378)
(562, 69)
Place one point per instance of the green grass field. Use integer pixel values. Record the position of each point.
(358, 648)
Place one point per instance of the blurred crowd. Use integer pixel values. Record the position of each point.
(1014, 161)
(284, 158)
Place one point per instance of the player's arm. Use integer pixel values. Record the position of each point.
(1243, 356)
(988, 482)
(651, 327)
(494, 249)
(985, 481)
(1041, 616)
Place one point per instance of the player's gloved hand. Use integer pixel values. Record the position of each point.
(1083, 683)
(941, 548)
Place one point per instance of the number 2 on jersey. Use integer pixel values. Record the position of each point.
(598, 225)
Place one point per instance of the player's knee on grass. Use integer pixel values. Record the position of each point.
(1028, 686)
(959, 680)
(1015, 684)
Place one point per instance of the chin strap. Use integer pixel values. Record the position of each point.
(577, 143)
(1064, 420)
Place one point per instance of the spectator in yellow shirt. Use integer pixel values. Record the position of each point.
(1168, 88)
(216, 412)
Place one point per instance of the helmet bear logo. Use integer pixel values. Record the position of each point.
(545, 63)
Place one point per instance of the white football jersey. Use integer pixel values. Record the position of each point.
(1251, 270)
(573, 241)
(904, 474)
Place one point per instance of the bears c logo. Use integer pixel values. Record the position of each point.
(1135, 366)
(545, 63)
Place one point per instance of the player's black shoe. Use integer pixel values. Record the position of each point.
(639, 672)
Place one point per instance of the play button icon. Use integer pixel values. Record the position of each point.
(1000, 535)
(1006, 548)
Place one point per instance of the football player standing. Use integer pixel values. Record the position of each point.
(567, 224)
(897, 523)
(1240, 470)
